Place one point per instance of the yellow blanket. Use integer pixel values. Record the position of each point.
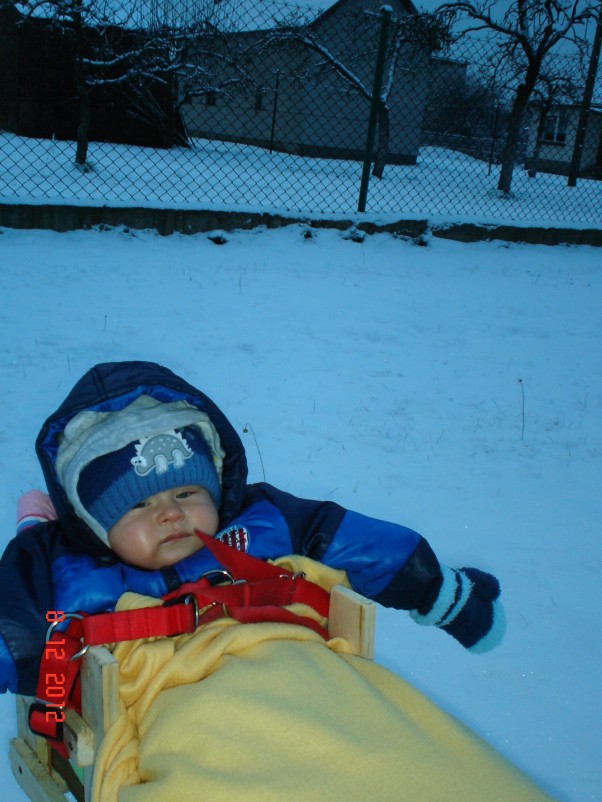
(271, 713)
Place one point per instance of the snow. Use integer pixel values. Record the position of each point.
(444, 185)
(386, 377)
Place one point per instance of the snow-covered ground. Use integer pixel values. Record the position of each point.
(443, 185)
(453, 388)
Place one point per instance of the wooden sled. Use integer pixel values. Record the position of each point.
(46, 777)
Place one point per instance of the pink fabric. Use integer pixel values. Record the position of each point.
(32, 508)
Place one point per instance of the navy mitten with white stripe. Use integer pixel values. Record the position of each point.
(468, 608)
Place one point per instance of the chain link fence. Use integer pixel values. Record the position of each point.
(271, 106)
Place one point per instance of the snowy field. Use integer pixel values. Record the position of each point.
(444, 185)
(453, 388)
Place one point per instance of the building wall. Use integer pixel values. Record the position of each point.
(556, 157)
(320, 115)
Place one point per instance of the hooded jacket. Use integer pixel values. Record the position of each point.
(64, 565)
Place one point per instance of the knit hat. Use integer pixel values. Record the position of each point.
(113, 483)
(109, 461)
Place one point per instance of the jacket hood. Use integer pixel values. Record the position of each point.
(109, 387)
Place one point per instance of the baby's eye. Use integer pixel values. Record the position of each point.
(140, 505)
(185, 493)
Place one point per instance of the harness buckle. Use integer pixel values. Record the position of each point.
(187, 599)
(218, 572)
(190, 598)
(54, 625)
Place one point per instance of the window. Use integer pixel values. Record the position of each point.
(555, 130)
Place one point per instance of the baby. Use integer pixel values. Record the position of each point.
(146, 479)
(136, 461)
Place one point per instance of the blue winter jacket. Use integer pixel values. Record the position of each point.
(64, 566)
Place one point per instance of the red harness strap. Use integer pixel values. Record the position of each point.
(58, 680)
(258, 593)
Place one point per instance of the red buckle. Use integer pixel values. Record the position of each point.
(54, 625)
(186, 598)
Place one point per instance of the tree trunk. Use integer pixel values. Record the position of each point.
(541, 127)
(81, 153)
(523, 93)
(176, 135)
(382, 149)
(509, 152)
(83, 91)
(170, 136)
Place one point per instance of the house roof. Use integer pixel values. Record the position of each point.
(245, 15)
(248, 15)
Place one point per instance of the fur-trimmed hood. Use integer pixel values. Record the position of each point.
(109, 387)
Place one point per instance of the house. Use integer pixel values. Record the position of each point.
(299, 80)
(552, 140)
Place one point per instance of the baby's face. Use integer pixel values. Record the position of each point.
(160, 530)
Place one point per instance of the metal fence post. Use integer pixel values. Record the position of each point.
(274, 109)
(386, 12)
(585, 104)
(493, 138)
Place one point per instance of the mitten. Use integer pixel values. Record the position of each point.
(468, 608)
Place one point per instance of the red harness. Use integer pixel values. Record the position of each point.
(258, 592)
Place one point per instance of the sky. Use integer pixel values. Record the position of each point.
(453, 388)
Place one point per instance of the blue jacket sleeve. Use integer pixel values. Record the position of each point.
(26, 596)
(8, 672)
(384, 561)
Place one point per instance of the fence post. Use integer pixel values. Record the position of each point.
(386, 12)
(274, 109)
(585, 104)
(496, 117)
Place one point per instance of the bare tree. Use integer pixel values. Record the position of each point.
(195, 53)
(412, 39)
(155, 51)
(70, 17)
(105, 48)
(528, 30)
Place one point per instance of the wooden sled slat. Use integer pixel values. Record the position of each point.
(34, 777)
(100, 699)
(353, 617)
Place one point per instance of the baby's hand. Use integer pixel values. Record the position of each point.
(468, 608)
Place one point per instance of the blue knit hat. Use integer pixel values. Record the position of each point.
(113, 483)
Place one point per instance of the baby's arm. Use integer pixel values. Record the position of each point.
(396, 567)
(17, 609)
(26, 596)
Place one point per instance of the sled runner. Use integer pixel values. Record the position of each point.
(46, 776)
